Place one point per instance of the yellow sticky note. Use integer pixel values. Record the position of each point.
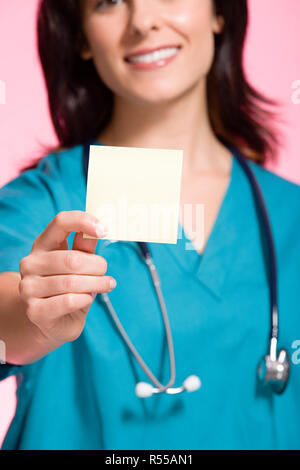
(135, 191)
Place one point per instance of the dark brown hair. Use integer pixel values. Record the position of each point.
(81, 105)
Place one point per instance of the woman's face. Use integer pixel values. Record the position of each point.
(116, 28)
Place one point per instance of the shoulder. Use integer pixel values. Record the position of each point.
(281, 194)
(62, 161)
(51, 180)
(273, 181)
(54, 166)
(282, 200)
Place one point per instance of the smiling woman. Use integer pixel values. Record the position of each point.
(82, 87)
(164, 64)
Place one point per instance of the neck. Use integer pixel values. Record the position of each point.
(182, 123)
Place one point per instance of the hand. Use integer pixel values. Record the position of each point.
(57, 283)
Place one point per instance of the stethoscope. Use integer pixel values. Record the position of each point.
(273, 369)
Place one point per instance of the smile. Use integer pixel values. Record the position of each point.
(154, 59)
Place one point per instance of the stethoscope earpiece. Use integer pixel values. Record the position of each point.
(274, 372)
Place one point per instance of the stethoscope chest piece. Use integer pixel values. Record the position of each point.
(274, 372)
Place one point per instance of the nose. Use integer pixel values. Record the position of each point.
(144, 16)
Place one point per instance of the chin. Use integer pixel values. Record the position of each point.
(153, 100)
(157, 94)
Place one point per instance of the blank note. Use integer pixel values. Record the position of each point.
(136, 191)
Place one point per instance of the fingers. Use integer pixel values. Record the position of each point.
(56, 283)
(43, 312)
(63, 262)
(84, 244)
(49, 286)
(58, 230)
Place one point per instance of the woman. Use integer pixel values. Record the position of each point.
(76, 377)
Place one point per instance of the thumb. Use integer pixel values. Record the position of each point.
(84, 244)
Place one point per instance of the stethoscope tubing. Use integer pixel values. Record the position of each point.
(274, 368)
(148, 372)
(274, 329)
(268, 233)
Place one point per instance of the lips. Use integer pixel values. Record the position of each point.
(150, 50)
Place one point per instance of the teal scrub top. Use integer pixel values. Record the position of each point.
(82, 395)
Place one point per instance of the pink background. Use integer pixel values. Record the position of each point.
(272, 64)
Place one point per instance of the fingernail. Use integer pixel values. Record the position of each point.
(112, 283)
(101, 229)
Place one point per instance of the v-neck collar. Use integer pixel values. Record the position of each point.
(212, 266)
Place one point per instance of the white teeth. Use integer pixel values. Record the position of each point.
(154, 56)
